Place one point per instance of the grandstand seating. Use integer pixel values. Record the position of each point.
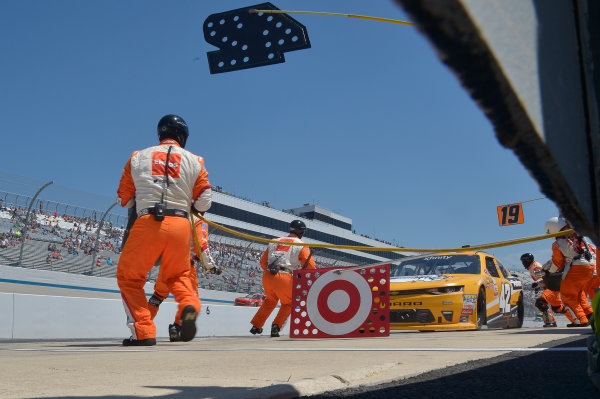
(37, 255)
(74, 239)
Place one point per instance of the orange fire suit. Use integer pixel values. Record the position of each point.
(278, 287)
(548, 297)
(568, 257)
(161, 289)
(147, 180)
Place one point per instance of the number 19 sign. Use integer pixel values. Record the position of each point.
(510, 214)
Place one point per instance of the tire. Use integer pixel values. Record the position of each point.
(481, 310)
(255, 304)
(520, 312)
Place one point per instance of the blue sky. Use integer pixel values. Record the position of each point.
(368, 122)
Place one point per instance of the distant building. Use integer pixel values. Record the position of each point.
(315, 212)
(323, 227)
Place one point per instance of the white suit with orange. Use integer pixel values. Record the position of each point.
(567, 256)
(551, 298)
(278, 287)
(144, 183)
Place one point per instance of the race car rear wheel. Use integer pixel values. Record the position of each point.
(481, 309)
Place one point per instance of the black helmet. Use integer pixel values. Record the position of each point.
(298, 227)
(173, 127)
(526, 259)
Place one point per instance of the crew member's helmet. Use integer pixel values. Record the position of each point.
(555, 224)
(527, 259)
(298, 227)
(173, 127)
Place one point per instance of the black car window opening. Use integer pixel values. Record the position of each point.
(491, 267)
(505, 272)
(457, 264)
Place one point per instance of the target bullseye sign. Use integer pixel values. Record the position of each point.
(354, 303)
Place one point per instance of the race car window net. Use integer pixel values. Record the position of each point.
(491, 267)
(505, 272)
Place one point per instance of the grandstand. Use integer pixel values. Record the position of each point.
(70, 238)
(69, 244)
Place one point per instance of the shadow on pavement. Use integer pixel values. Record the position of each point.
(584, 331)
(207, 392)
(543, 374)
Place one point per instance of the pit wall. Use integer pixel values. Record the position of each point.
(29, 316)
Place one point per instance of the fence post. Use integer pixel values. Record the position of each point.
(91, 273)
(242, 264)
(24, 232)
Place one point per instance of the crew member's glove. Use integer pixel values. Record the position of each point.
(534, 285)
(273, 269)
(207, 263)
(207, 260)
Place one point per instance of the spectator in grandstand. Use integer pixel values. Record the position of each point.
(548, 297)
(279, 262)
(161, 288)
(576, 260)
(164, 182)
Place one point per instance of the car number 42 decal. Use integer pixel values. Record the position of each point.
(505, 294)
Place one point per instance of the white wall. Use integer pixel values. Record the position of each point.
(26, 316)
(29, 316)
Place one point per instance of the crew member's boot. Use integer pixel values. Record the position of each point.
(188, 323)
(174, 333)
(275, 330)
(255, 330)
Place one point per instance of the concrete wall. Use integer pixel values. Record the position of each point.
(26, 316)
(76, 315)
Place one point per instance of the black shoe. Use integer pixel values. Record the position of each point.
(275, 330)
(139, 342)
(188, 323)
(256, 330)
(549, 325)
(174, 333)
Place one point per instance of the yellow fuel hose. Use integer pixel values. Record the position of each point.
(388, 249)
(335, 14)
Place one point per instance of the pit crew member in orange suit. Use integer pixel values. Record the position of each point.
(279, 262)
(161, 289)
(548, 297)
(594, 284)
(164, 182)
(576, 259)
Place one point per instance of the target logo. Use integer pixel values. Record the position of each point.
(334, 302)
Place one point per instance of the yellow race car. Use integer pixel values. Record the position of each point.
(454, 291)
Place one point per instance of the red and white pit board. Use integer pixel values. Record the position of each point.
(330, 304)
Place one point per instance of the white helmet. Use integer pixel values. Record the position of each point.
(555, 224)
